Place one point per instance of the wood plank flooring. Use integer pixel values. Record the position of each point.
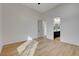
(46, 47)
(55, 48)
(10, 49)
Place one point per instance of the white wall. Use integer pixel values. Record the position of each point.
(42, 29)
(19, 22)
(49, 24)
(45, 28)
(69, 14)
(0, 27)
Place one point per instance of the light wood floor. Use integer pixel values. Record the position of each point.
(10, 49)
(46, 47)
(55, 48)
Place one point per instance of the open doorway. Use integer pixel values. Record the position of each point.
(57, 28)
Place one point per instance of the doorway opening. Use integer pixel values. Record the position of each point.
(57, 28)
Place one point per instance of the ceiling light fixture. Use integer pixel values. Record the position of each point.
(38, 3)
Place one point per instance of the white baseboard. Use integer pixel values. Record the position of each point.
(77, 44)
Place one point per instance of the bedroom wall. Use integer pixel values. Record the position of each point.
(19, 23)
(49, 27)
(42, 28)
(0, 27)
(69, 14)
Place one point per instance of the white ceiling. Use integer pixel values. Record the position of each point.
(43, 7)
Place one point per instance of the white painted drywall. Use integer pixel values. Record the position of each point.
(69, 14)
(0, 27)
(19, 23)
(49, 28)
(42, 28)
